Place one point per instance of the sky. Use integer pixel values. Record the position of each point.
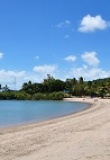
(63, 38)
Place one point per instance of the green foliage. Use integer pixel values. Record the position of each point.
(39, 96)
(57, 96)
(56, 89)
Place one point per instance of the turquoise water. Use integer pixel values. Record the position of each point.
(19, 112)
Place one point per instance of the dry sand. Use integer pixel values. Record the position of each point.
(82, 136)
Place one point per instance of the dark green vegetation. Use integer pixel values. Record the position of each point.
(56, 89)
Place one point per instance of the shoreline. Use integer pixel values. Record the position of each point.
(16, 127)
(83, 135)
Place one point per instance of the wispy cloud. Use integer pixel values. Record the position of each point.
(67, 36)
(91, 24)
(70, 58)
(65, 23)
(1, 55)
(37, 57)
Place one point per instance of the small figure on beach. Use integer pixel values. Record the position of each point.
(96, 100)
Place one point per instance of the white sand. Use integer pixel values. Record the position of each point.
(82, 136)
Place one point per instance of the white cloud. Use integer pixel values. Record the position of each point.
(66, 23)
(1, 55)
(89, 73)
(90, 58)
(90, 24)
(45, 69)
(13, 79)
(71, 58)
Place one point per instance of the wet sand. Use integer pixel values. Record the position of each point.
(81, 136)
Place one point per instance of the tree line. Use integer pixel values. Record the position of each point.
(56, 89)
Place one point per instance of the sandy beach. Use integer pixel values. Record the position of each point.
(81, 136)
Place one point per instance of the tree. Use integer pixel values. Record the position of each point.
(81, 80)
(5, 88)
(69, 85)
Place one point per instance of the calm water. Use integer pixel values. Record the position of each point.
(19, 112)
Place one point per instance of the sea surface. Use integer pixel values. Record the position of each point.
(13, 112)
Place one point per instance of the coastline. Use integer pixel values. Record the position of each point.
(83, 135)
(16, 127)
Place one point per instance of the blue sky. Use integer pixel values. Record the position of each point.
(64, 38)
